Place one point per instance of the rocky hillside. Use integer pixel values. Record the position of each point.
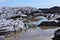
(54, 9)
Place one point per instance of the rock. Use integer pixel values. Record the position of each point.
(56, 35)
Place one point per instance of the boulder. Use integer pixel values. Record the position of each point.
(56, 35)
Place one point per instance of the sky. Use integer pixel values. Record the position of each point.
(31, 3)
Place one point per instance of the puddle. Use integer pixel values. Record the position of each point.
(36, 34)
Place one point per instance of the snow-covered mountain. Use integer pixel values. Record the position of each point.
(6, 12)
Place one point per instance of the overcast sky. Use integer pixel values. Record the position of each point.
(32, 3)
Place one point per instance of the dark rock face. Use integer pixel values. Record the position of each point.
(58, 19)
(54, 9)
(56, 35)
(49, 24)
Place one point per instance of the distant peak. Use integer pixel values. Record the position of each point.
(55, 7)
